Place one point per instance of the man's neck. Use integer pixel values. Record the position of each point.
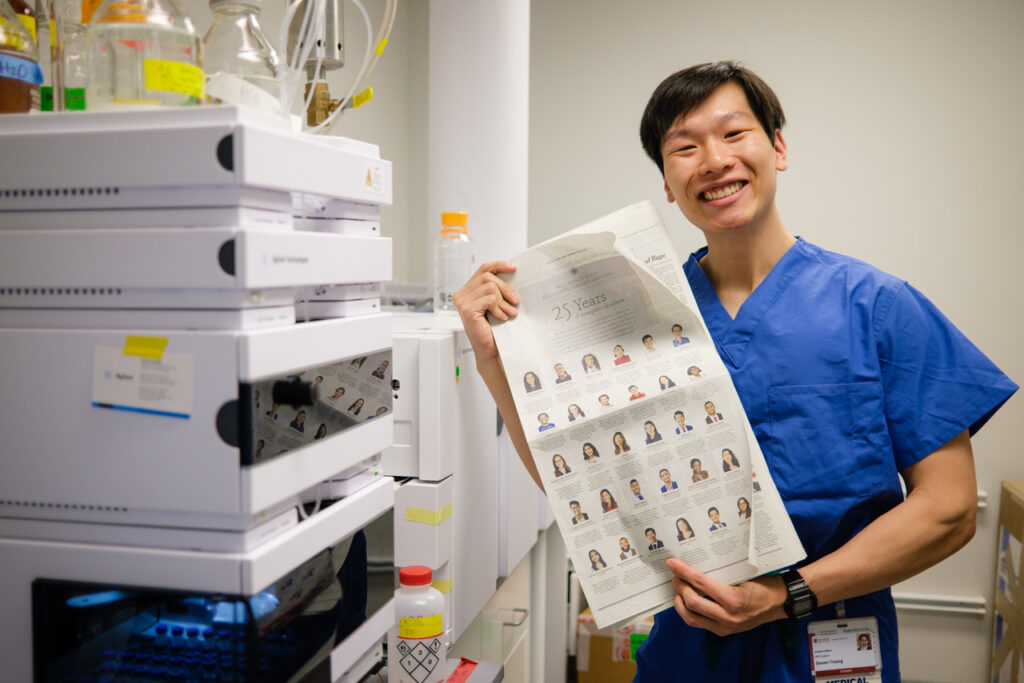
(736, 263)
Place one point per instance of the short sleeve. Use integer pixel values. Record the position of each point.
(936, 382)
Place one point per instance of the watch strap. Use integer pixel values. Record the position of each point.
(801, 600)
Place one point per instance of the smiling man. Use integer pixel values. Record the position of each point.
(849, 378)
(874, 383)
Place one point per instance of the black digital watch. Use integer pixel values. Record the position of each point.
(801, 601)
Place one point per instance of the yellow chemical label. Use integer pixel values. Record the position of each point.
(171, 76)
(14, 39)
(419, 627)
(30, 26)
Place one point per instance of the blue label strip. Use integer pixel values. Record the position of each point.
(20, 69)
(146, 411)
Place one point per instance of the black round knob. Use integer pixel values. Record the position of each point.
(295, 393)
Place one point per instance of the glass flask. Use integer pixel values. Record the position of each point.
(142, 53)
(236, 45)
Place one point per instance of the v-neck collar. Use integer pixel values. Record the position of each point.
(731, 335)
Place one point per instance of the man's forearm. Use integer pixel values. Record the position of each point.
(494, 377)
(936, 520)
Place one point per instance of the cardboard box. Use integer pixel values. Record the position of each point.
(1008, 625)
(608, 655)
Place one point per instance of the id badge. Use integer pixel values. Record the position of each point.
(845, 651)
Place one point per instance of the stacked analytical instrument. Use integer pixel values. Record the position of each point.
(174, 392)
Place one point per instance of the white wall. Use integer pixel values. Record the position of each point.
(905, 150)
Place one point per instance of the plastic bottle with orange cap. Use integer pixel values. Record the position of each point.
(454, 260)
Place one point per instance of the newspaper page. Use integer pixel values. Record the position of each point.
(632, 418)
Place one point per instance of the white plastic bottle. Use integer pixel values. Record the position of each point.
(454, 260)
(417, 652)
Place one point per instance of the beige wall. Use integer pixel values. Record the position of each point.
(905, 149)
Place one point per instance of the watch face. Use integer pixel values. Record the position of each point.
(802, 606)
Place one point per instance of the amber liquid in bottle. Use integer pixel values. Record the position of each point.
(17, 91)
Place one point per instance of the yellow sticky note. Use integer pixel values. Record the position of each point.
(145, 347)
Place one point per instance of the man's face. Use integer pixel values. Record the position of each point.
(543, 418)
(677, 331)
(710, 407)
(649, 342)
(720, 166)
(604, 400)
(713, 514)
(575, 507)
(651, 536)
(560, 370)
(680, 419)
(634, 391)
(666, 477)
(634, 486)
(624, 544)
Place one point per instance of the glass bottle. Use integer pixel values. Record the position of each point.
(237, 46)
(71, 18)
(142, 53)
(46, 51)
(453, 260)
(20, 75)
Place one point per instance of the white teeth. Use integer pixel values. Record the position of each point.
(723, 192)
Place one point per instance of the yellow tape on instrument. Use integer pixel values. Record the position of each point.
(425, 516)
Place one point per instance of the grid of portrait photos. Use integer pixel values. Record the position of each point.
(642, 456)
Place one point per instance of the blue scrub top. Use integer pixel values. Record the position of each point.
(847, 376)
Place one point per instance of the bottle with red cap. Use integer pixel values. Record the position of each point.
(416, 650)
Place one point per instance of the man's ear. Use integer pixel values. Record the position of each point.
(781, 163)
(668, 194)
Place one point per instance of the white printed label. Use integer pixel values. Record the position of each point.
(143, 385)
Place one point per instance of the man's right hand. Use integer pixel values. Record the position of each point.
(486, 292)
